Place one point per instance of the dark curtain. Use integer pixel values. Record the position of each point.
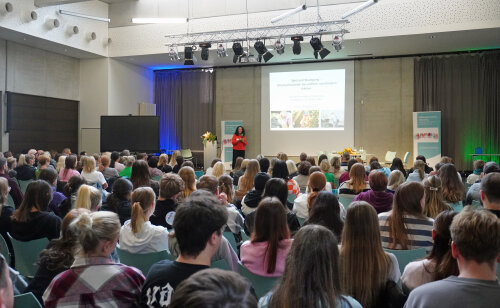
(185, 103)
(466, 89)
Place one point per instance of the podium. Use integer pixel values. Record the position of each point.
(209, 153)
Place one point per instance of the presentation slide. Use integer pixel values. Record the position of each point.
(307, 100)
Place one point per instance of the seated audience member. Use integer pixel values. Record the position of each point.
(140, 176)
(15, 191)
(173, 158)
(325, 168)
(427, 169)
(57, 257)
(213, 287)
(94, 279)
(418, 174)
(216, 160)
(311, 160)
(5, 210)
(115, 162)
(405, 226)
(303, 204)
(345, 175)
(292, 169)
(218, 170)
(474, 191)
(6, 288)
(478, 169)
(88, 197)
(434, 203)
(396, 178)
(245, 182)
(280, 171)
(282, 156)
(198, 223)
(70, 191)
(265, 253)
(125, 152)
(356, 183)
(179, 160)
(253, 197)
(90, 174)
(375, 164)
(336, 169)
(153, 166)
(142, 156)
(345, 158)
(436, 168)
(187, 163)
(32, 221)
(171, 185)
(163, 164)
(189, 177)
(69, 171)
(128, 161)
(43, 162)
(106, 170)
(303, 177)
(11, 166)
(377, 196)
(119, 200)
(50, 176)
(302, 157)
(226, 186)
(477, 284)
(397, 164)
(235, 220)
(326, 211)
(361, 277)
(239, 169)
(264, 164)
(437, 265)
(490, 192)
(311, 277)
(138, 235)
(453, 188)
(60, 163)
(25, 169)
(275, 188)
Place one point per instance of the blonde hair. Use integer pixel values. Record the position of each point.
(282, 156)
(247, 180)
(163, 160)
(60, 163)
(88, 197)
(173, 158)
(244, 163)
(128, 161)
(434, 203)
(88, 164)
(325, 166)
(419, 166)
(105, 161)
(396, 178)
(22, 160)
(93, 228)
(142, 200)
(335, 162)
(292, 168)
(218, 169)
(4, 191)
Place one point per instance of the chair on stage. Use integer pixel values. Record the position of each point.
(406, 158)
(187, 154)
(389, 156)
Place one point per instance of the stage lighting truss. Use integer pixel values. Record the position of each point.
(279, 46)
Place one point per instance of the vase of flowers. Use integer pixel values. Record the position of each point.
(208, 137)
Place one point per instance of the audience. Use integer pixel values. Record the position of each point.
(226, 186)
(119, 200)
(15, 191)
(50, 176)
(245, 182)
(427, 169)
(153, 167)
(189, 177)
(303, 204)
(264, 164)
(477, 284)
(115, 162)
(356, 183)
(344, 162)
(43, 162)
(210, 169)
(11, 166)
(69, 171)
(179, 160)
(60, 163)
(377, 196)
(254, 196)
(280, 171)
(326, 212)
(173, 158)
(218, 170)
(5, 210)
(140, 176)
(345, 175)
(292, 169)
(325, 167)
(89, 198)
(490, 192)
(478, 169)
(418, 174)
(239, 169)
(303, 177)
(128, 161)
(397, 164)
(396, 178)
(90, 174)
(433, 193)
(453, 188)
(163, 164)
(106, 170)
(171, 185)
(70, 190)
(474, 191)
(25, 169)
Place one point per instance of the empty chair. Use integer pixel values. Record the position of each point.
(389, 156)
(26, 300)
(406, 256)
(24, 184)
(345, 200)
(26, 254)
(406, 158)
(142, 261)
(186, 154)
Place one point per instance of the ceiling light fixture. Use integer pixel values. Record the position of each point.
(318, 48)
(296, 44)
(173, 54)
(221, 51)
(359, 8)
(157, 20)
(279, 46)
(238, 51)
(337, 42)
(188, 55)
(84, 16)
(263, 52)
(205, 51)
(289, 13)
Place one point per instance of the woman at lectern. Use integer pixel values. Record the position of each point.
(239, 143)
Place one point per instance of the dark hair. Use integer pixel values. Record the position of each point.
(276, 188)
(490, 185)
(280, 170)
(211, 288)
(377, 180)
(3, 161)
(203, 210)
(179, 160)
(214, 161)
(242, 131)
(140, 156)
(264, 164)
(325, 211)
(397, 164)
(170, 185)
(49, 175)
(260, 180)
(421, 157)
(311, 160)
(304, 167)
(114, 156)
(490, 167)
(226, 186)
(375, 165)
(121, 188)
(153, 161)
(69, 162)
(311, 276)
(187, 163)
(303, 156)
(73, 185)
(38, 195)
(350, 163)
(438, 166)
(208, 183)
(321, 157)
(453, 188)
(140, 174)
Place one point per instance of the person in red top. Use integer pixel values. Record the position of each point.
(239, 143)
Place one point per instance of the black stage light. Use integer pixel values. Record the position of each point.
(318, 48)
(188, 55)
(205, 50)
(238, 51)
(296, 44)
(263, 52)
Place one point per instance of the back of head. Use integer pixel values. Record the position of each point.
(11, 161)
(37, 196)
(490, 167)
(282, 156)
(42, 160)
(290, 165)
(490, 186)
(88, 164)
(252, 169)
(73, 185)
(114, 156)
(4, 191)
(95, 227)
(321, 158)
(346, 156)
(214, 161)
(396, 178)
(434, 203)
(213, 288)
(70, 162)
(377, 180)
(419, 166)
(244, 163)
(280, 170)
(179, 160)
(303, 156)
(453, 188)
(260, 180)
(311, 277)
(226, 186)
(128, 161)
(421, 157)
(121, 188)
(397, 163)
(311, 160)
(335, 162)
(479, 165)
(89, 197)
(447, 160)
(357, 177)
(304, 167)
(140, 174)
(153, 161)
(476, 234)
(142, 200)
(325, 211)
(264, 164)
(189, 177)
(375, 165)
(276, 188)
(208, 183)
(48, 175)
(218, 169)
(187, 163)
(325, 166)
(141, 156)
(237, 164)
(317, 183)
(162, 160)
(351, 163)
(170, 185)
(204, 211)
(314, 169)
(125, 152)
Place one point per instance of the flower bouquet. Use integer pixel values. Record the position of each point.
(349, 151)
(208, 136)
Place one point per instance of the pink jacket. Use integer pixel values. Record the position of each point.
(253, 257)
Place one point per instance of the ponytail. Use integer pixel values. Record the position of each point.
(142, 199)
(137, 218)
(92, 228)
(88, 198)
(311, 198)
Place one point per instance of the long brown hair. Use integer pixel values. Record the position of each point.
(142, 200)
(38, 195)
(362, 276)
(189, 177)
(270, 226)
(311, 277)
(246, 181)
(317, 182)
(406, 202)
(226, 186)
(357, 177)
(140, 174)
(434, 203)
(453, 188)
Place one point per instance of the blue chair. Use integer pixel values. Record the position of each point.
(457, 207)
(230, 238)
(476, 204)
(301, 220)
(4, 250)
(221, 264)
(24, 184)
(10, 201)
(26, 300)
(346, 200)
(26, 254)
(261, 284)
(406, 256)
(336, 183)
(291, 198)
(156, 178)
(198, 174)
(142, 261)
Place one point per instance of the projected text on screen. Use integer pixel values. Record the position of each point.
(307, 100)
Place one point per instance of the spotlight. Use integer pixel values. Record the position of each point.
(263, 52)
(238, 51)
(174, 55)
(296, 44)
(279, 47)
(188, 55)
(205, 50)
(337, 42)
(318, 48)
(221, 51)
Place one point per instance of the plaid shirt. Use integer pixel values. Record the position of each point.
(95, 282)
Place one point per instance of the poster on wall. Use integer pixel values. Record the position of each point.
(427, 136)
(227, 129)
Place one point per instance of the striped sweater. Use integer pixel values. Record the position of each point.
(419, 231)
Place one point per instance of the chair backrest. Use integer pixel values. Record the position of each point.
(24, 184)
(186, 153)
(291, 198)
(26, 254)
(4, 249)
(476, 204)
(457, 207)
(336, 183)
(198, 174)
(346, 200)
(230, 238)
(156, 178)
(221, 264)
(406, 256)
(26, 300)
(301, 220)
(389, 156)
(10, 201)
(261, 284)
(407, 156)
(141, 261)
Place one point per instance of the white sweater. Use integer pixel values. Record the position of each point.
(151, 238)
